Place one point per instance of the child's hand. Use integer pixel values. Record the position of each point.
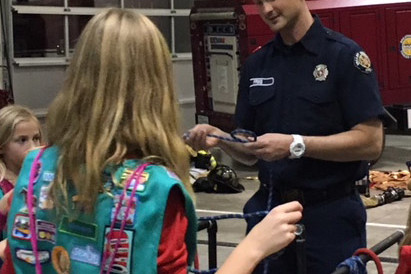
(276, 230)
(3, 245)
(5, 203)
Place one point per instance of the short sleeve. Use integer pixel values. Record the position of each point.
(359, 93)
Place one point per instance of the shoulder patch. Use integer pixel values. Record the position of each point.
(362, 62)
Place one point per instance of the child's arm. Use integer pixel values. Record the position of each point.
(3, 245)
(273, 233)
(172, 253)
(7, 267)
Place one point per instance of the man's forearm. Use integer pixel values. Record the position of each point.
(362, 142)
(238, 152)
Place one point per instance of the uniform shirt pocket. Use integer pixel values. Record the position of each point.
(261, 94)
(319, 111)
(318, 96)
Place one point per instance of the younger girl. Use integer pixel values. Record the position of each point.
(19, 132)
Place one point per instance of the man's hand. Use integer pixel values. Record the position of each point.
(197, 137)
(271, 146)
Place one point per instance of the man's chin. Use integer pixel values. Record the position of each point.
(276, 25)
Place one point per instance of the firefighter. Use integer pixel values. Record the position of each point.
(312, 97)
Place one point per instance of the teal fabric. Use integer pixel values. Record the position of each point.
(84, 246)
(3, 233)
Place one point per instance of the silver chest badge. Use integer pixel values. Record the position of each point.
(320, 72)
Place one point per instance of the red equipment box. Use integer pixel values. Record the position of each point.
(225, 32)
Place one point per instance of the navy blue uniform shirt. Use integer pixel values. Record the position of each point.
(316, 87)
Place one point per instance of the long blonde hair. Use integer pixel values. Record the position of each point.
(10, 116)
(118, 98)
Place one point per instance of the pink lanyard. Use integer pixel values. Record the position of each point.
(136, 176)
(34, 173)
(35, 169)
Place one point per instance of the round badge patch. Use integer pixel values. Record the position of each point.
(362, 62)
(405, 46)
(320, 72)
(60, 259)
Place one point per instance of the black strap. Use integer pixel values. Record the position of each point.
(313, 197)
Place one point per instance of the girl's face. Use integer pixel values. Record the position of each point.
(25, 137)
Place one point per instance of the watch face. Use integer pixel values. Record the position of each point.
(298, 149)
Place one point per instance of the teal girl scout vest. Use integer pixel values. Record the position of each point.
(83, 239)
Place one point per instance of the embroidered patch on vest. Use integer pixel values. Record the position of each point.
(86, 254)
(60, 259)
(141, 186)
(46, 231)
(362, 62)
(143, 179)
(44, 201)
(121, 214)
(27, 256)
(21, 227)
(48, 176)
(78, 228)
(122, 259)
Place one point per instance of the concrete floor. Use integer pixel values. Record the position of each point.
(382, 221)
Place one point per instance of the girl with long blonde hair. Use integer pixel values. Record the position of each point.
(117, 112)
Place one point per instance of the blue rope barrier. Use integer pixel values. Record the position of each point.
(236, 136)
(211, 271)
(355, 265)
(234, 216)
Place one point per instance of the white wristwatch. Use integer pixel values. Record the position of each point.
(297, 147)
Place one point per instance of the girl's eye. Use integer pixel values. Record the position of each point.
(36, 138)
(22, 139)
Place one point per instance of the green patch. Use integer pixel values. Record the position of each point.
(78, 228)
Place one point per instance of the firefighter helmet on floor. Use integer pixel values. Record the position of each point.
(224, 180)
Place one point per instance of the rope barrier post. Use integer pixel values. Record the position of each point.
(387, 242)
(212, 244)
(377, 249)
